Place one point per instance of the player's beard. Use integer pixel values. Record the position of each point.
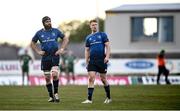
(47, 27)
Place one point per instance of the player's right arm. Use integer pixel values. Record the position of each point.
(87, 51)
(34, 44)
(87, 55)
(36, 49)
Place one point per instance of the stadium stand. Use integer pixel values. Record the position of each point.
(10, 52)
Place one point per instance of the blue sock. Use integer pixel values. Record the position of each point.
(49, 88)
(90, 93)
(55, 84)
(107, 90)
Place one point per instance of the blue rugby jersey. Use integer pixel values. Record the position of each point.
(49, 40)
(96, 44)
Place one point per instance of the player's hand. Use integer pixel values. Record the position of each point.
(59, 52)
(106, 60)
(41, 53)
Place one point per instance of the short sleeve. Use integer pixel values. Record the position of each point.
(105, 38)
(35, 38)
(87, 42)
(60, 34)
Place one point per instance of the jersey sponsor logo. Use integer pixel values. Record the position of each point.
(98, 42)
(49, 40)
(139, 64)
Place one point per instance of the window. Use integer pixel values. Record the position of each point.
(158, 29)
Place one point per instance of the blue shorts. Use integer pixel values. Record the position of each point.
(46, 65)
(97, 66)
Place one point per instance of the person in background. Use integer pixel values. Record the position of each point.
(62, 64)
(162, 67)
(24, 60)
(69, 63)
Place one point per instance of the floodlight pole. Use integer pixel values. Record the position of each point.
(97, 14)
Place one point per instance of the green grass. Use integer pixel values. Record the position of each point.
(156, 97)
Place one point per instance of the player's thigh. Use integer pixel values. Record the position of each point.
(103, 76)
(102, 67)
(92, 75)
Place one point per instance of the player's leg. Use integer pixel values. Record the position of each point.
(55, 74)
(73, 77)
(49, 85)
(28, 79)
(91, 79)
(92, 75)
(68, 76)
(27, 73)
(106, 87)
(72, 73)
(46, 67)
(159, 74)
(102, 69)
(55, 71)
(92, 69)
(23, 78)
(166, 73)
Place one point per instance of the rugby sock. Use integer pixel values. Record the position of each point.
(107, 90)
(55, 84)
(90, 93)
(49, 88)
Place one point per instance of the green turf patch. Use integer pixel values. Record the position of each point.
(136, 97)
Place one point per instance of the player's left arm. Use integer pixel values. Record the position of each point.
(65, 41)
(107, 53)
(30, 58)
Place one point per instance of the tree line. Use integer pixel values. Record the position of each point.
(77, 30)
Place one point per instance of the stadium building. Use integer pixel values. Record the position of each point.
(142, 30)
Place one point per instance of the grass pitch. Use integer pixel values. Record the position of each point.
(136, 97)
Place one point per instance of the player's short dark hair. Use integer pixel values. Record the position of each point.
(45, 18)
(94, 20)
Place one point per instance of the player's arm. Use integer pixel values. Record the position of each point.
(65, 41)
(31, 59)
(87, 55)
(107, 47)
(36, 49)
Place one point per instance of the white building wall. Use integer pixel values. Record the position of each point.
(118, 28)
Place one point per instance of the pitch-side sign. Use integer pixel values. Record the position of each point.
(115, 66)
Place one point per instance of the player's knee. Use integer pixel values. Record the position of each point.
(104, 80)
(91, 79)
(55, 71)
(48, 78)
